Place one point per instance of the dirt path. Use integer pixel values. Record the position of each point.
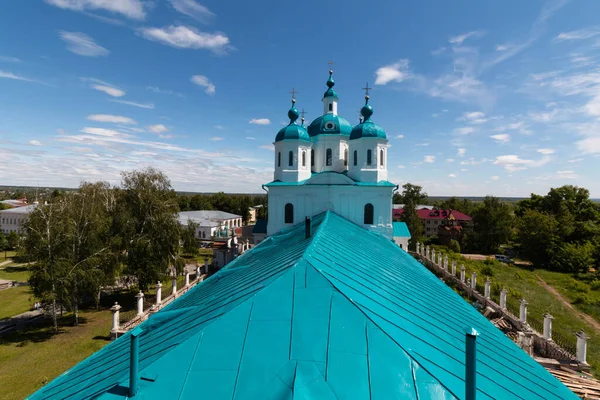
(566, 302)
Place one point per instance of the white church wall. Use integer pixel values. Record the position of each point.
(347, 201)
(297, 171)
(364, 172)
(338, 144)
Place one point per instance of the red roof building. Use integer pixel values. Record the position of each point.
(432, 219)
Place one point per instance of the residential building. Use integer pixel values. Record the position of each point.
(13, 219)
(434, 219)
(14, 203)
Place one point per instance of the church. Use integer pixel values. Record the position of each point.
(326, 307)
(331, 166)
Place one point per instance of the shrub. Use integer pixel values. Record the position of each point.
(578, 286)
(487, 271)
(595, 284)
(518, 275)
(581, 298)
(454, 246)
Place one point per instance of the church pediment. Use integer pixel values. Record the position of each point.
(329, 178)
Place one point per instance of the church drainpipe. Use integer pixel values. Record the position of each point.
(470, 364)
(134, 361)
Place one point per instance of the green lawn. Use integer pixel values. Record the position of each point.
(523, 283)
(12, 272)
(15, 301)
(6, 255)
(32, 358)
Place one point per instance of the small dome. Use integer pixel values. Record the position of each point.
(367, 128)
(292, 132)
(329, 124)
(330, 84)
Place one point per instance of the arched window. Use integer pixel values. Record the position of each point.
(345, 157)
(369, 157)
(289, 213)
(368, 214)
(381, 157)
(279, 159)
(328, 158)
(304, 159)
(355, 157)
(291, 158)
(203, 234)
(312, 158)
(330, 106)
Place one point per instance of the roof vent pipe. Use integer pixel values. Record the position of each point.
(134, 361)
(470, 364)
(307, 227)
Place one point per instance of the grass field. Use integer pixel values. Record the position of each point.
(32, 358)
(524, 283)
(11, 272)
(15, 301)
(6, 255)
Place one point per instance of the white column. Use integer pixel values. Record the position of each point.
(582, 339)
(446, 262)
(474, 280)
(158, 294)
(140, 303)
(115, 322)
(488, 286)
(433, 256)
(187, 278)
(503, 299)
(417, 248)
(523, 311)
(197, 271)
(454, 268)
(174, 285)
(462, 273)
(548, 326)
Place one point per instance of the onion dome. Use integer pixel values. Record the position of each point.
(367, 128)
(330, 84)
(293, 131)
(329, 124)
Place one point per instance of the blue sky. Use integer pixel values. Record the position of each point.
(477, 98)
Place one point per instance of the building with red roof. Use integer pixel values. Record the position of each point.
(433, 219)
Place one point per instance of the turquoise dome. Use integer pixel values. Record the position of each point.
(329, 124)
(367, 128)
(292, 131)
(330, 84)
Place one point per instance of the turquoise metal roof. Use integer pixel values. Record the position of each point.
(400, 229)
(329, 124)
(292, 132)
(345, 314)
(367, 129)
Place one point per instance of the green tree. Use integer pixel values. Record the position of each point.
(188, 237)
(465, 206)
(200, 202)
(4, 244)
(492, 222)
(13, 240)
(537, 235)
(573, 257)
(148, 226)
(454, 245)
(411, 197)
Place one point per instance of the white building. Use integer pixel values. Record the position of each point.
(210, 222)
(13, 219)
(331, 166)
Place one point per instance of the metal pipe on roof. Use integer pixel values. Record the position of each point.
(307, 229)
(134, 355)
(470, 364)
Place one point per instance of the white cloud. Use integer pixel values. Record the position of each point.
(401, 166)
(475, 117)
(267, 147)
(103, 132)
(586, 33)
(461, 38)
(129, 8)
(10, 75)
(184, 37)
(513, 163)
(463, 170)
(399, 136)
(429, 159)
(203, 81)
(461, 152)
(396, 72)
(501, 138)
(157, 129)
(35, 143)
(546, 151)
(495, 177)
(109, 90)
(82, 44)
(451, 176)
(133, 103)
(219, 127)
(216, 138)
(593, 107)
(576, 160)
(465, 130)
(113, 119)
(193, 9)
(9, 59)
(164, 91)
(260, 121)
(450, 160)
(502, 47)
(438, 51)
(567, 174)
(250, 138)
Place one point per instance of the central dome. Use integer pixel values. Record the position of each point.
(329, 124)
